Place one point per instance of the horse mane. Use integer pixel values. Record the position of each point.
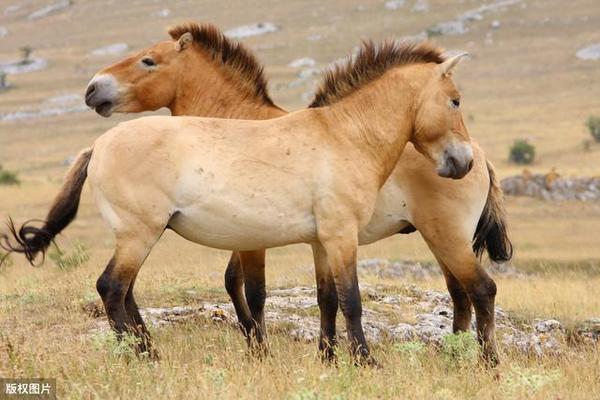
(371, 61)
(230, 54)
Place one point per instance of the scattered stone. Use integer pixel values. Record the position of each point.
(589, 330)
(3, 82)
(591, 52)
(11, 9)
(420, 6)
(394, 4)
(57, 105)
(244, 31)
(24, 66)
(448, 28)
(303, 62)
(458, 26)
(112, 49)
(552, 187)
(397, 269)
(165, 12)
(496, 24)
(548, 325)
(315, 37)
(3, 31)
(50, 9)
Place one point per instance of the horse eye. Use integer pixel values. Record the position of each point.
(148, 62)
(455, 103)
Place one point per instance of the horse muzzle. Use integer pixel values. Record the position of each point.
(456, 161)
(102, 94)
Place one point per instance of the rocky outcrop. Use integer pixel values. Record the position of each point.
(552, 186)
(403, 314)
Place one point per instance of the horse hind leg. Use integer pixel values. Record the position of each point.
(253, 266)
(462, 306)
(465, 275)
(115, 287)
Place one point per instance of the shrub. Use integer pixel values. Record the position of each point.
(460, 348)
(522, 152)
(527, 380)
(593, 124)
(75, 258)
(8, 177)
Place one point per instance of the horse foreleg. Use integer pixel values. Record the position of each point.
(132, 310)
(328, 304)
(341, 257)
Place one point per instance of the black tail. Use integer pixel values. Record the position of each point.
(30, 240)
(491, 232)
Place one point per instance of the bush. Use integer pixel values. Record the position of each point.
(593, 124)
(460, 348)
(522, 152)
(8, 177)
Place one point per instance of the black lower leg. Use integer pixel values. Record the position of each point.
(234, 283)
(461, 303)
(482, 294)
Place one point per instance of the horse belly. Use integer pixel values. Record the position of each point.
(238, 228)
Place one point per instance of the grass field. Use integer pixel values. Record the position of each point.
(523, 81)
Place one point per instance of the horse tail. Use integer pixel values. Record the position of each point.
(491, 232)
(31, 240)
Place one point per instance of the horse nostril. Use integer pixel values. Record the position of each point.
(470, 167)
(90, 91)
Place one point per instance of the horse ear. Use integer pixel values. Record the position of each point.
(184, 41)
(447, 66)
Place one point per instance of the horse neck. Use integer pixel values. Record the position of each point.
(378, 120)
(209, 92)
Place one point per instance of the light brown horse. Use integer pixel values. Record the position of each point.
(222, 79)
(311, 176)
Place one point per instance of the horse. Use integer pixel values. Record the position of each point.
(342, 121)
(225, 80)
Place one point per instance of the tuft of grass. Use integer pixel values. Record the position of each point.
(460, 349)
(67, 261)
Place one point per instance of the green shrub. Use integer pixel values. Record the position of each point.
(460, 348)
(75, 258)
(522, 152)
(593, 124)
(8, 177)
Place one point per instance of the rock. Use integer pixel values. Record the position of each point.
(315, 37)
(50, 9)
(303, 62)
(394, 4)
(11, 9)
(591, 52)
(111, 49)
(3, 31)
(496, 24)
(259, 28)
